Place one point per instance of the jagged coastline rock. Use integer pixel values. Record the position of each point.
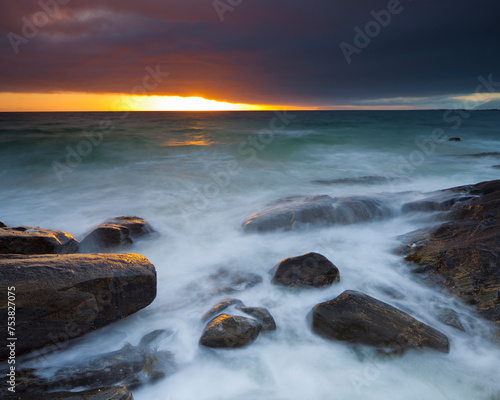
(307, 270)
(114, 233)
(231, 332)
(300, 212)
(60, 297)
(2, 225)
(358, 318)
(28, 240)
(463, 254)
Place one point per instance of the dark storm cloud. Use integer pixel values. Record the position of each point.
(282, 51)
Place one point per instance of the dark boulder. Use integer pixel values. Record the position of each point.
(463, 255)
(28, 240)
(115, 233)
(300, 212)
(308, 270)
(2, 225)
(220, 308)
(262, 315)
(454, 139)
(358, 318)
(59, 297)
(227, 331)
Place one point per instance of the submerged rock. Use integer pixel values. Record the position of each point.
(358, 318)
(496, 166)
(60, 297)
(130, 366)
(450, 317)
(28, 240)
(227, 331)
(299, 212)
(454, 139)
(463, 255)
(363, 180)
(262, 315)
(113, 393)
(225, 281)
(308, 270)
(114, 233)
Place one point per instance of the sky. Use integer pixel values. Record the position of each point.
(315, 54)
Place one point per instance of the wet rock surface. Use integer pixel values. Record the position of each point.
(113, 393)
(233, 331)
(228, 331)
(262, 315)
(307, 270)
(301, 212)
(463, 254)
(358, 318)
(65, 296)
(115, 233)
(28, 240)
(131, 366)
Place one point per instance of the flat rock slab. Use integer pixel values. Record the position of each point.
(358, 318)
(230, 332)
(300, 212)
(463, 255)
(28, 240)
(59, 297)
(307, 270)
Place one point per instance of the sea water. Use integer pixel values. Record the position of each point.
(196, 176)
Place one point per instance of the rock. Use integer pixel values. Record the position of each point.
(362, 180)
(225, 281)
(221, 307)
(450, 317)
(442, 201)
(130, 366)
(137, 226)
(308, 270)
(454, 139)
(59, 297)
(262, 315)
(358, 318)
(480, 155)
(496, 166)
(28, 240)
(114, 233)
(113, 393)
(227, 331)
(463, 255)
(299, 212)
(2, 225)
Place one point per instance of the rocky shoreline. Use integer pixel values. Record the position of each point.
(71, 288)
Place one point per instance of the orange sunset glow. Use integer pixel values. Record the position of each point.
(117, 102)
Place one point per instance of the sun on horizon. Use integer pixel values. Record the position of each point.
(34, 102)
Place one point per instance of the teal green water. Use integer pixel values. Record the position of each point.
(196, 176)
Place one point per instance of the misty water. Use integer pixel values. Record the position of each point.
(195, 177)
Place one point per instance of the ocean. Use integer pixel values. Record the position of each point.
(196, 176)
